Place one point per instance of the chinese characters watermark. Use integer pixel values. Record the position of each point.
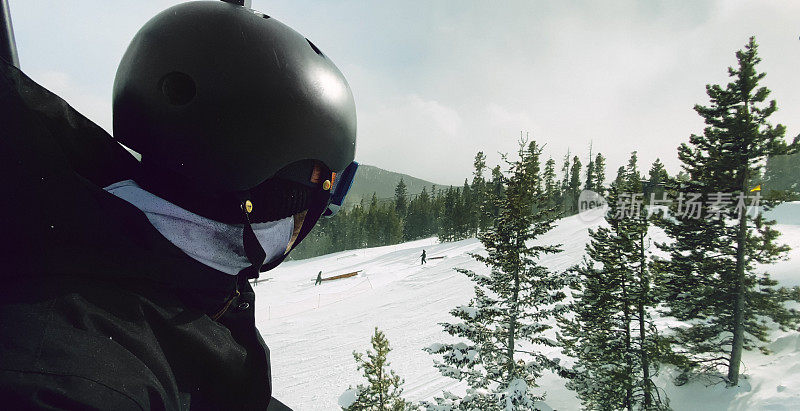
(592, 206)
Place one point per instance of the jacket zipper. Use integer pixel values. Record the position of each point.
(228, 303)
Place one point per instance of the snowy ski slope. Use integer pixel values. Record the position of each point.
(313, 330)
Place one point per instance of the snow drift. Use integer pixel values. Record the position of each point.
(313, 330)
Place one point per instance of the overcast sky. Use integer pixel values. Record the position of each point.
(437, 81)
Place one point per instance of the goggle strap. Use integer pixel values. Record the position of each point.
(252, 247)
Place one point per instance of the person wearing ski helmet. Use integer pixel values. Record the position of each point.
(127, 287)
(238, 118)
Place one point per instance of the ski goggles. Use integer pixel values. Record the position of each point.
(324, 203)
(339, 189)
(292, 190)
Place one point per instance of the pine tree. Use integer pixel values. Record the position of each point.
(574, 185)
(620, 179)
(479, 192)
(506, 320)
(710, 279)
(566, 205)
(383, 391)
(447, 217)
(469, 224)
(589, 184)
(631, 170)
(565, 171)
(611, 333)
(420, 222)
(533, 167)
(599, 173)
(372, 220)
(657, 178)
(437, 209)
(427, 226)
(415, 217)
(496, 193)
(391, 226)
(551, 188)
(575, 175)
(401, 199)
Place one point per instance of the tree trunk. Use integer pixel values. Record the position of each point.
(737, 344)
(645, 288)
(627, 324)
(381, 402)
(512, 326)
(738, 306)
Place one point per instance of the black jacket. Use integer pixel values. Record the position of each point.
(97, 309)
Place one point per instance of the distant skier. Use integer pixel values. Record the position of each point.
(423, 256)
(319, 279)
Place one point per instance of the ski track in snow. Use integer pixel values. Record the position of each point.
(312, 331)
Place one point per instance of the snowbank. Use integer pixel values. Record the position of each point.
(313, 330)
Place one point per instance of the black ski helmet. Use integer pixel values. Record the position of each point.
(226, 97)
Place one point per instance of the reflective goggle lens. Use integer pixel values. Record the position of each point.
(341, 186)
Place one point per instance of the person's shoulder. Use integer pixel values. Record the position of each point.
(43, 136)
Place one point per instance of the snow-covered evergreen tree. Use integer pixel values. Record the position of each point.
(383, 390)
(710, 279)
(505, 324)
(610, 332)
(494, 193)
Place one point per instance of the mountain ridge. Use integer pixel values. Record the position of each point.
(372, 179)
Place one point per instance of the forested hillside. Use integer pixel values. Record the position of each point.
(371, 179)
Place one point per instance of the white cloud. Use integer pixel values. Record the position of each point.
(443, 120)
(505, 117)
(411, 134)
(435, 82)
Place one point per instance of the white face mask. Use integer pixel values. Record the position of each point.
(217, 245)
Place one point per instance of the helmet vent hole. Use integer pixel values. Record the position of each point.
(178, 88)
(314, 47)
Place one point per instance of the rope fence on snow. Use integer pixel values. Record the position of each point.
(275, 311)
(341, 276)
